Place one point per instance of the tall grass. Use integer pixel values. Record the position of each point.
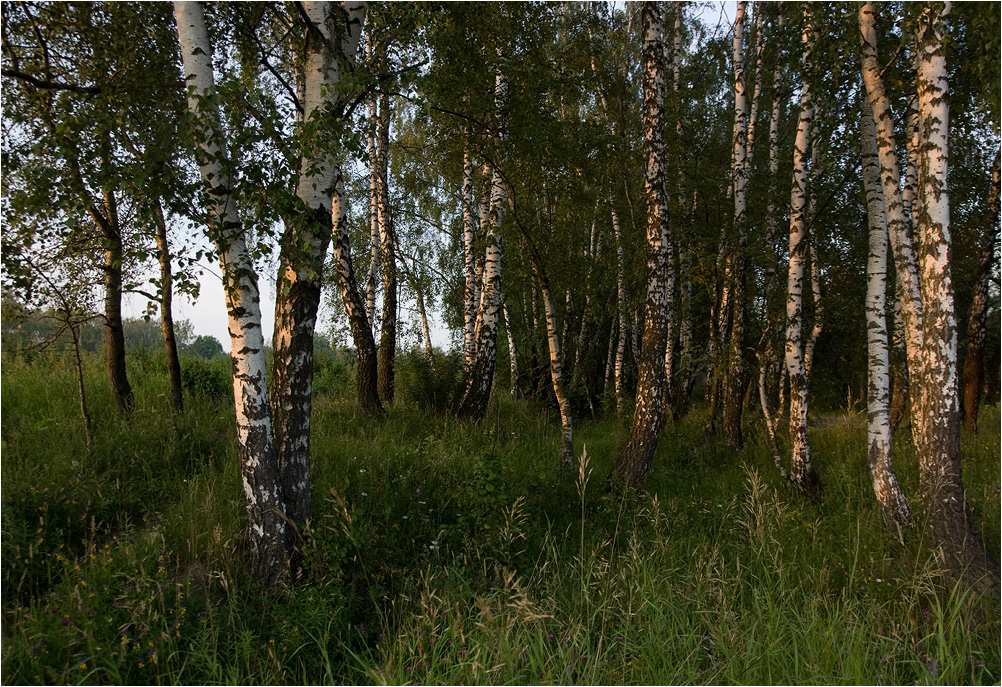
(444, 552)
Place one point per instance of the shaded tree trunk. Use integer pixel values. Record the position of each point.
(388, 331)
(166, 310)
(370, 288)
(114, 335)
(470, 264)
(974, 362)
(634, 461)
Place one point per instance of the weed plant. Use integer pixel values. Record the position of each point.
(446, 552)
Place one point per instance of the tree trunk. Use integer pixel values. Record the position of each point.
(734, 374)
(114, 335)
(370, 288)
(361, 330)
(898, 223)
(974, 363)
(801, 470)
(634, 462)
(512, 351)
(388, 332)
(470, 263)
(621, 306)
(268, 534)
(885, 485)
(949, 524)
(166, 310)
(304, 250)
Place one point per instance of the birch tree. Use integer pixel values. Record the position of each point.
(885, 484)
(802, 472)
(634, 461)
(268, 533)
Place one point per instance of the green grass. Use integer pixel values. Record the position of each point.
(444, 552)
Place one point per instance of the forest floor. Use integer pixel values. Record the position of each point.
(451, 553)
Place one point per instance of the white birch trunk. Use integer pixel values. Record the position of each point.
(267, 531)
(801, 470)
(469, 261)
(621, 306)
(885, 485)
(898, 225)
(370, 289)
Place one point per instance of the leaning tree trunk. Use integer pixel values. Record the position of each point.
(885, 485)
(361, 330)
(635, 460)
(950, 527)
(304, 250)
(733, 386)
(974, 363)
(269, 537)
(166, 310)
(388, 331)
(802, 472)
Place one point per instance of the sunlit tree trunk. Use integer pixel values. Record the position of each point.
(885, 485)
(388, 331)
(268, 534)
(949, 521)
(974, 363)
(166, 309)
(898, 223)
(802, 472)
(635, 460)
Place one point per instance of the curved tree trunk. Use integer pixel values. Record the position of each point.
(635, 460)
(361, 330)
(885, 485)
(269, 537)
(974, 363)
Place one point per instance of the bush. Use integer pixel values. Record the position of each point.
(211, 379)
(332, 373)
(429, 386)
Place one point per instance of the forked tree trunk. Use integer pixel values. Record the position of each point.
(950, 527)
(268, 534)
(802, 472)
(892, 502)
(388, 331)
(304, 250)
(634, 462)
(898, 223)
(166, 310)
(974, 362)
(473, 405)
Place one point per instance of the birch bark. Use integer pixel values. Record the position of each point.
(267, 531)
(388, 331)
(802, 472)
(885, 484)
(634, 462)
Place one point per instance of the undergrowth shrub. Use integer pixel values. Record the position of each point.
(209, 379)
(429, 384)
